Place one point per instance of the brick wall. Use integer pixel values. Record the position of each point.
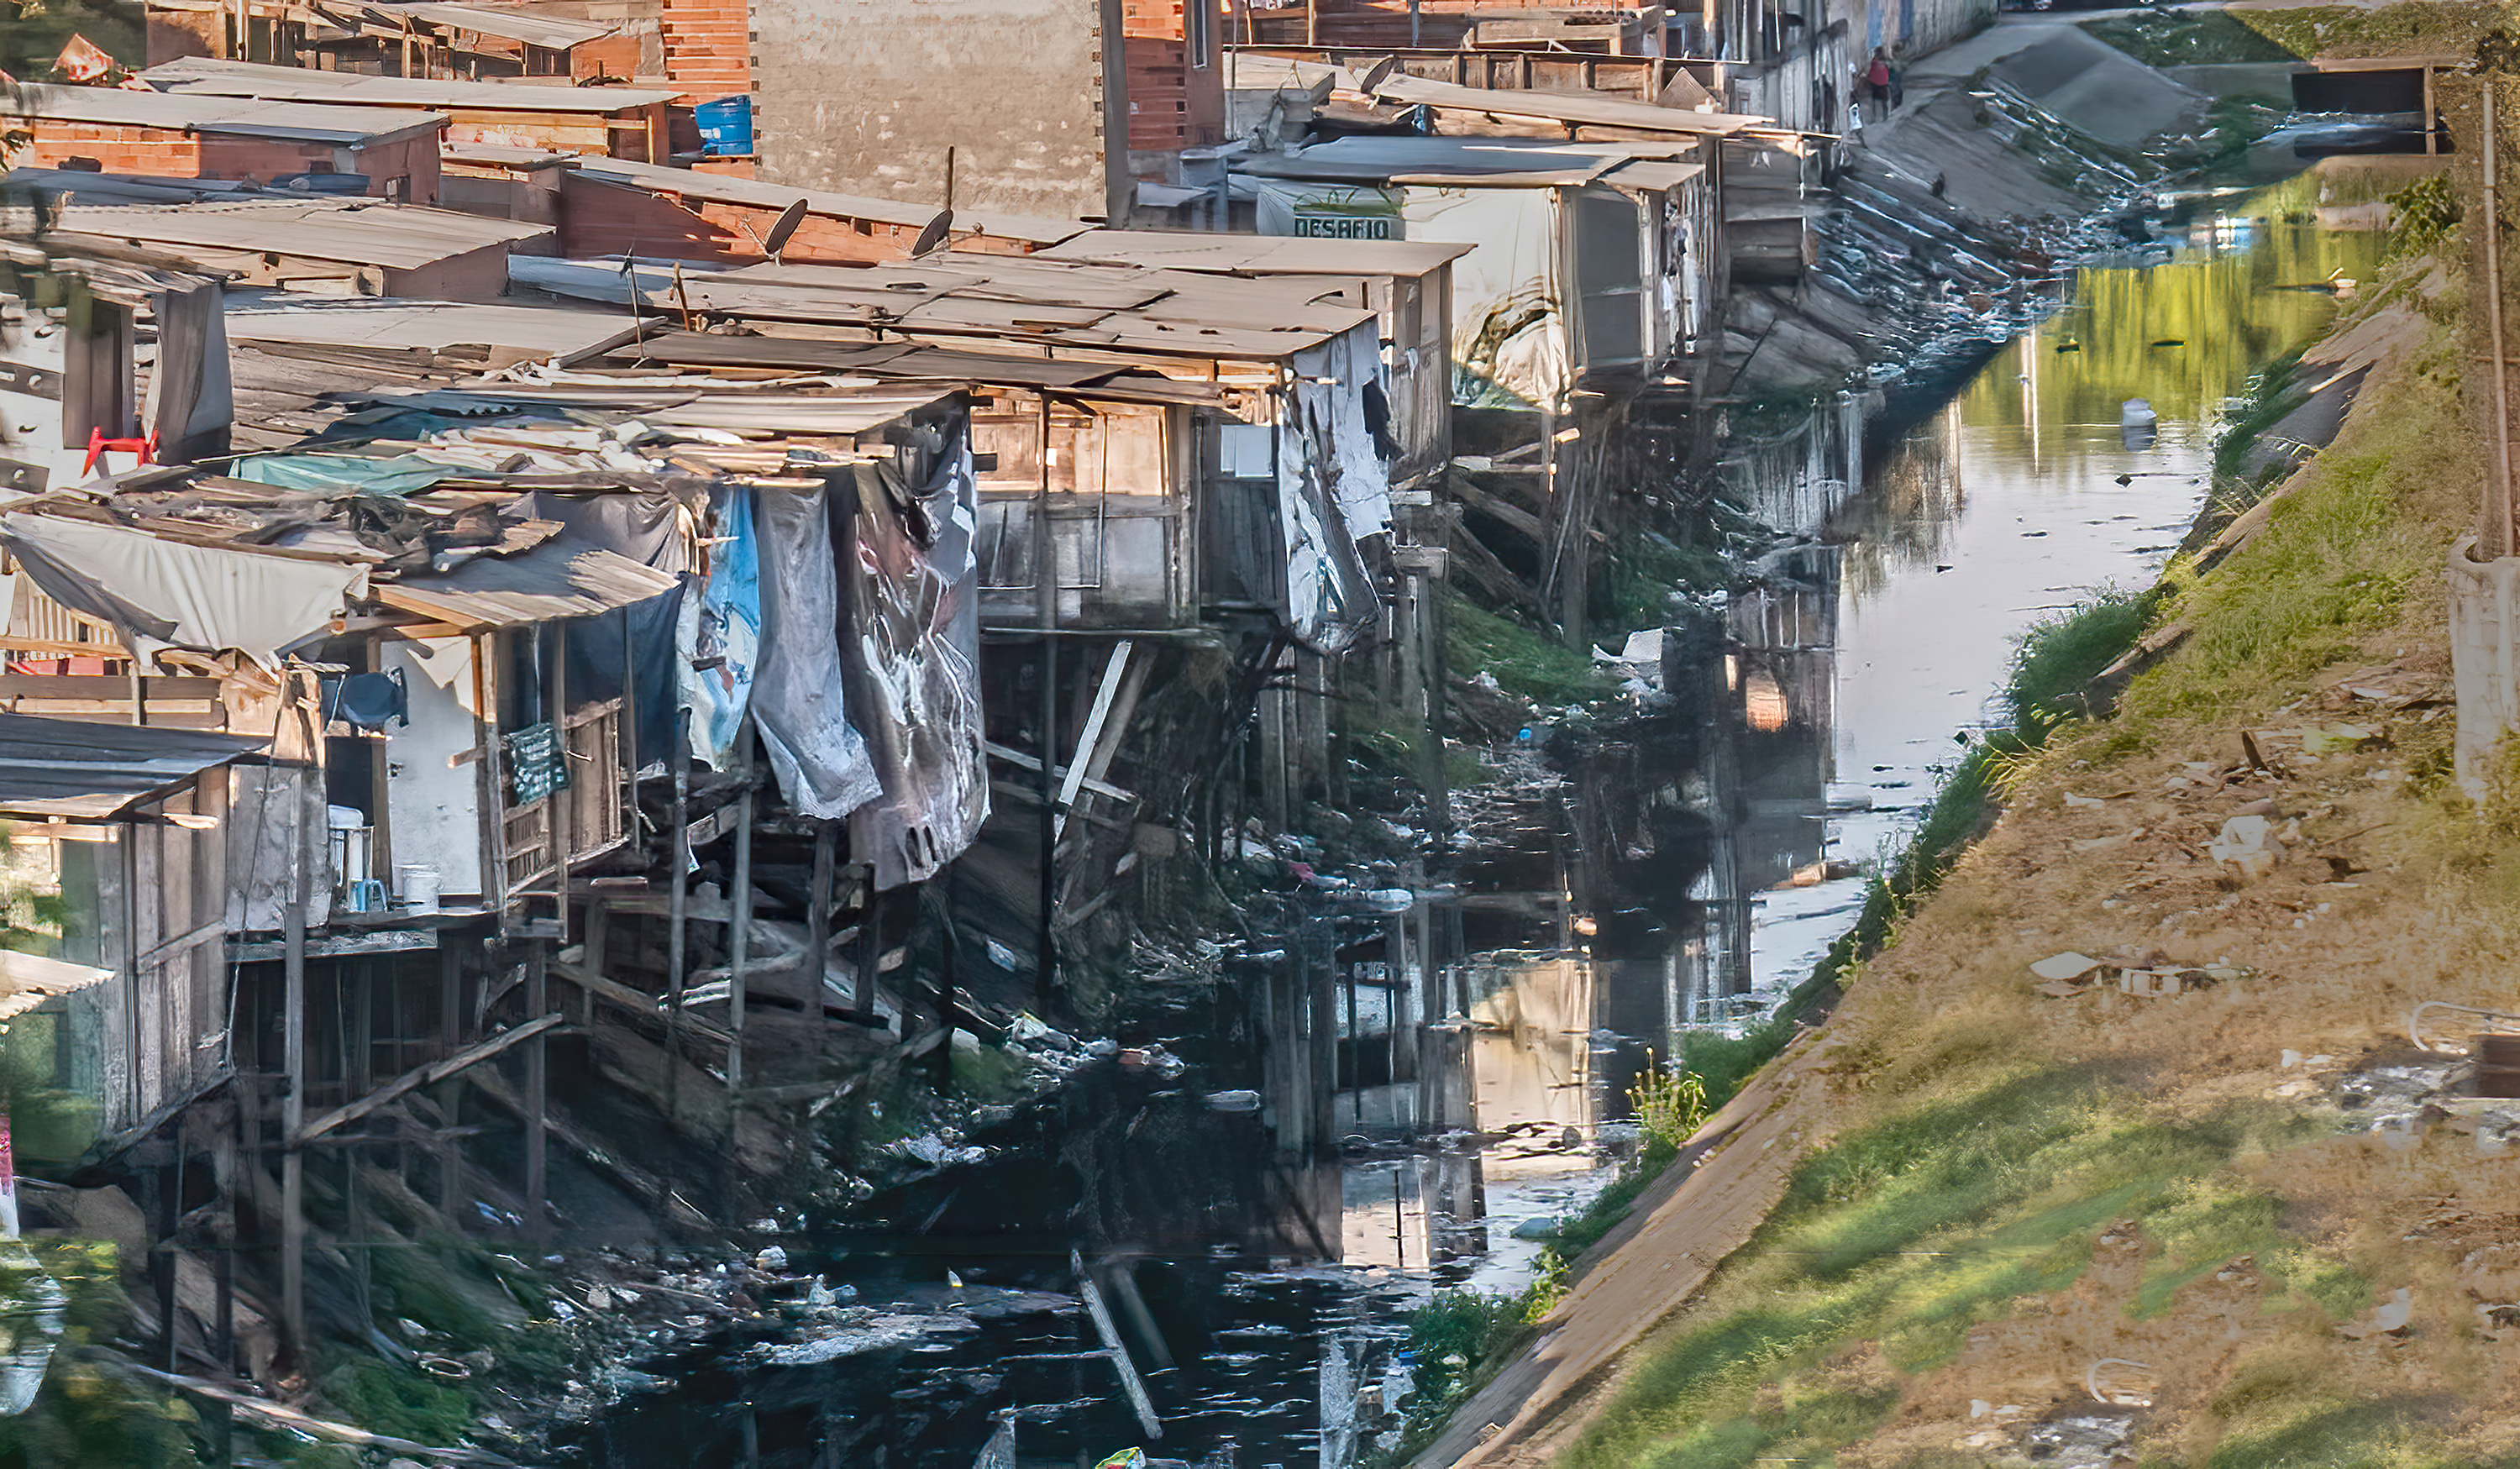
(599, 219)
(169, 154)
(707, 47)
(1172, 104)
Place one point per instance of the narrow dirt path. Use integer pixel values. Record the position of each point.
(1644, 1270)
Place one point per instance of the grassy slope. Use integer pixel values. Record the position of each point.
(2199, 37)
(2020, 1185)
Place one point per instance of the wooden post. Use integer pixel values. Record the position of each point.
(450, 1036)
(739, 915)
(562, 809)
(293, 1102)
(223, 1174)
(818, 911)
(161, 1260)
(2432, 121)
(1046, 609)
(870, 948)
(2501, 533)
(537, 1086)
(677, 918)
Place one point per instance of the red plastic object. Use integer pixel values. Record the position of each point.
(99, 446)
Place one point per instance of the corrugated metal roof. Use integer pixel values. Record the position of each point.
(27, 980)
(1217, 254)
(1653, 174)
(721, 188)
(85, 187)
(908, 361)
(386, 323)
(71, 768)
(399, 237)
(1496, 162)
(503, 154)
(238, 116)
(561, 578)
(203, 75)
(1068, 302)
(680, 402)
(508, 23)
(1579, 107)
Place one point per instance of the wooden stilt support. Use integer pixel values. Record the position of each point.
(537, 1087)
(450, 1030)
(677, 917)
(293, 1104)
(739, 914)
(818, 914)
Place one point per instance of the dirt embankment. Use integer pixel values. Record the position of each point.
(2192, 1197)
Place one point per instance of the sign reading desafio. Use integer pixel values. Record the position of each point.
(1339, 213)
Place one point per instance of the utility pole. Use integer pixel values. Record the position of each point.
(2500, 528)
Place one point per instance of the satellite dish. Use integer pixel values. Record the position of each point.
(933, 236)
(1377, 74)
(782, 228)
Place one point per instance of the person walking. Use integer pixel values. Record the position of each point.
(1898, 80)
(1876, 81)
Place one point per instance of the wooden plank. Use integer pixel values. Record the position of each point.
(638, 1002)
(381, 941)
(429, 1075)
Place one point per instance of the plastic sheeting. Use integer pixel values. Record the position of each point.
(799, 703)
(655, 530)
(332, 473)
(726, 635)
(272, 808)
(1330, 597)
(1509, 335)
(1329, 404)
(914, 648)
(159, 594)
(192, 403)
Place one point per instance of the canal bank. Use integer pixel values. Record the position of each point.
(1923, 1228)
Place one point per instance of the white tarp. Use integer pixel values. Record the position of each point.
(1329, 598)
(159, 594)
(1509, 335)
(1329, 404)
(798, 700)
(916, 648)
(272, 809)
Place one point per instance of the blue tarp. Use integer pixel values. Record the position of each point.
(342, 473)
(730, 631)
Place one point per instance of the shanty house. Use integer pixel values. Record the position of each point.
(608, 206)
(116, 870)
(1407, 284)
(119, 130)
(627, 122)
(333, 246)
(1238, 466)
(1592, 263)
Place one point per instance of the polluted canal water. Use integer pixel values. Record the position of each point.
(1685, 870)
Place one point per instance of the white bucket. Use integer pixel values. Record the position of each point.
(419, 885)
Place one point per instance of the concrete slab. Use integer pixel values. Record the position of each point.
(2095, 89)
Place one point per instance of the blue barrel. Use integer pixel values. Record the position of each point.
(725, 126)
